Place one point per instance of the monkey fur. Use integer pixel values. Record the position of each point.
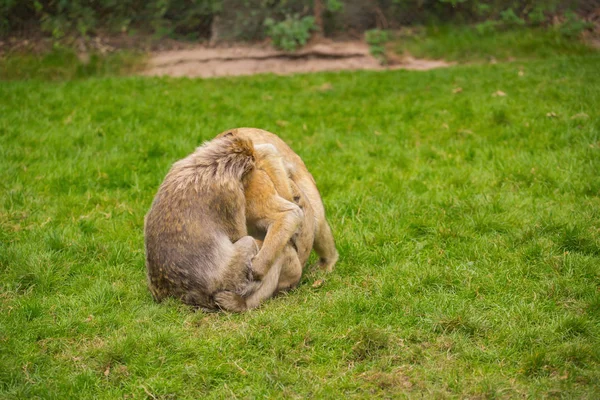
(324, 243)
(196, 232)
(271, 198)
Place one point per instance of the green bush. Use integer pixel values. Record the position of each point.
(279, 19)
(334, 5)
(84, 17)
(376, 39)
(573, 25)
(509, 18)
(487, 27)
(537, 16)
(291, 33)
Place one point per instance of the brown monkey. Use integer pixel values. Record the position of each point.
(266, 207)
(197, 244)
(324, 244)
(195, 232)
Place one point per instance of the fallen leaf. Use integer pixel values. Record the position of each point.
(377, 133)
(89, 318)
(107, 370)
(580, 116)
(318, 283)
(499, 93)
(325, 87)
(445, 126)
(551, 114)
(521, 73)
(457, 90)
(282, 123)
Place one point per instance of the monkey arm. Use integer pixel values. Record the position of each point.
(281, 222)
(267, 211)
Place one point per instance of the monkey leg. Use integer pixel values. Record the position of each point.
(282, 221)
(304, 237)
(284, 274)
(269, 214)
(325, 246)
(231, 301)
(237, 276)
(321, 237)
(291, 270)
(268, 285)
(315, 233)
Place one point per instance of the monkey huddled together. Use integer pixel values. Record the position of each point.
(234, 222)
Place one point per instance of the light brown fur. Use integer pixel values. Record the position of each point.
(197, 243)
(272, 205)
(324, 243)
(196, 239)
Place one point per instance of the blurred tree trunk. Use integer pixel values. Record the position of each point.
(318, 10)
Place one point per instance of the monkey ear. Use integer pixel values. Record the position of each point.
(228, 134)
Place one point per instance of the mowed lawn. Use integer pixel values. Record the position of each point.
(465, 203)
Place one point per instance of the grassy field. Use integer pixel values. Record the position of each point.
(63, 63)
(465, 203)
(467, 44)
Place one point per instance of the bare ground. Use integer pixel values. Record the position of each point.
(232, 61)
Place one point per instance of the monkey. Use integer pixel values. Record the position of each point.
(324, 243)
(196, 232)
(299, 185)
(265, 189)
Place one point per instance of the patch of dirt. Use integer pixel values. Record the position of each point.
(208, 62)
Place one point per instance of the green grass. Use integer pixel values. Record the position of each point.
(468, 227)
(63, 64)
(467, 44)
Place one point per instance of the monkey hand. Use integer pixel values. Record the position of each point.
(259, 267)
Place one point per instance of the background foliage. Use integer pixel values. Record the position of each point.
(164, 17)
(229, 19)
